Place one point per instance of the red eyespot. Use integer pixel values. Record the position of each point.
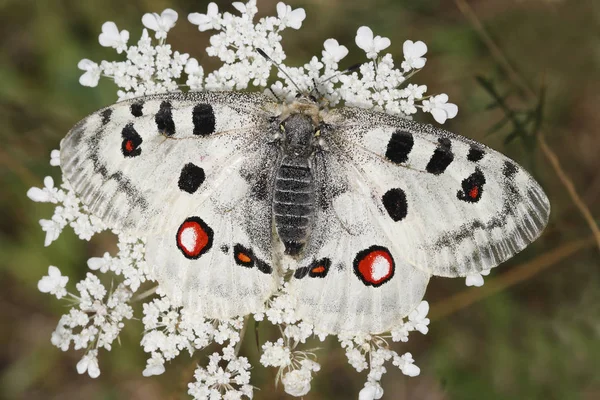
(194, 237)
(374, 266)
(474, 192)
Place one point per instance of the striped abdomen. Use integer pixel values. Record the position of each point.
(293, 203)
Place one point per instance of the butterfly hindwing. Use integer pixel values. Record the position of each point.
(352, 276)
(218, 261)
(186, 171)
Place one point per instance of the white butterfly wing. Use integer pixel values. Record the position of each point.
(400, 201)
(143, 162)
(352, 276)
(191, 173)
(237, 273)
(453, 206)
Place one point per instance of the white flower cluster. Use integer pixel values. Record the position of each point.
(69, 210)
(372, 352)
(96, 320)
(377, 83)
(148, 69)
(151, 66)
(216, 382)
(169, 330)
(295, 367)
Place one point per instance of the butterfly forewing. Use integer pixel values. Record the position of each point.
(452, 205)
(190, 173)
(142, 162)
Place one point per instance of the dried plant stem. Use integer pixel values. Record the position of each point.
(24, 174)
(146, 294)
(518, 81)
(496, 52)
(568, 184)
(238, 346)
(516, 275)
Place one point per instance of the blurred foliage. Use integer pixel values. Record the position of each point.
(538, 339)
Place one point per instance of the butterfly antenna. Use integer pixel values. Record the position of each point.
(347, 70)
(279, 67)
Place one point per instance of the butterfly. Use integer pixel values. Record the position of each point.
(232, 189)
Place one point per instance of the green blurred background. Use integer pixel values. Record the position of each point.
(532, 332)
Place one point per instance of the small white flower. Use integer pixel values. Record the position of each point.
(111, 37)
(275, 354)
(476, 279)
(333, 51)
(162, 23)
(413, 55)
(414, 91)
(207, 21)
(100, 263)
(154, 366)
(54, 283)
(92, 73)
(371, 391)
(418, 317)
(289, 17)
(406, 364)
(241, 7)
(89, 363)
(371, 45)
(297, 382)
(48, 194)
(439, 107)
(193, 68)
(55, 158)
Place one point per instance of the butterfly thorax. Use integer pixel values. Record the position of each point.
(294, 189)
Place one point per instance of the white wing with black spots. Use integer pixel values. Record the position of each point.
(352, 275)
(144, 162)
(191, 173)
(453, 206)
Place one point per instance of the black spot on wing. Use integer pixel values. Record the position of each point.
(106, 116)
(509, 169)
(191, 177)
(246, 258)
(472, 187)
(124, 185)
(130, 147)
(243, 256)
(442, 157)
(399, 147)
(475, 153)
(263, 267)
(301, 272)
(203, 117)
(136, 109)
(394, 201)
(320, 268)
(164, 119)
